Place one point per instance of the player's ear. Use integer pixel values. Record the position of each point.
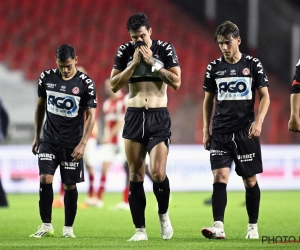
(239, 41)
(150, 31)
(76, 59)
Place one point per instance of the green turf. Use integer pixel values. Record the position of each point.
(106, 229)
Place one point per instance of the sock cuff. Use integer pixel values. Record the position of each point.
(254, 187)
(219, 185)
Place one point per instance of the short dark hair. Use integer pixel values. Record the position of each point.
(227, 30)
(136, 21)
(64, 52)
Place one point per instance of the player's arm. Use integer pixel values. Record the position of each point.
(88, 127)
(171, 76)
(294, 122)
(39, 116)
(264, 103)
(119, 78)
(208, 105)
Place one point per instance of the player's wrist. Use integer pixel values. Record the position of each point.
(156, 67)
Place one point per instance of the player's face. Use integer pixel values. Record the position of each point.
(67, 68)
(141, 35)
(229, 46)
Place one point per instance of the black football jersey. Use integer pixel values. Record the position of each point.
(66, 101)
(234, 86)
(296, 81)
(163, 52)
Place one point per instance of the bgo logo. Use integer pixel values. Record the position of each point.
(67, 103)
(239, 86)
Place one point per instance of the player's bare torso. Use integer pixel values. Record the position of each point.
(148, 94)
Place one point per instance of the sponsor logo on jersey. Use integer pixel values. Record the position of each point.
(232, 72)
(62, 104)
(50, 85)
(221, 73)
(246, 71)
(234, 88)
(247, 157)
(75, 90)
(63, 88)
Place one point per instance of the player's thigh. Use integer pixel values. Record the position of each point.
(135, 154)
(247, 156)
(158, 160)
(48, 158)
(221, 151)
(71, 172)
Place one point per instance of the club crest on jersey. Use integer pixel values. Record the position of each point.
(246, 71)
(75, 90)
(234, 88)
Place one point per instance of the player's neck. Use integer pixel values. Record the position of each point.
(70, 77)
(236, 57)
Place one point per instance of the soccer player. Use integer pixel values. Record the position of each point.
(66, 95)
(294, 122)
(232, 80)
(148, 66)
(89, 161)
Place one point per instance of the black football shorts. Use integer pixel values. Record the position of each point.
(50, 156)
(148, 126)
(237, 147)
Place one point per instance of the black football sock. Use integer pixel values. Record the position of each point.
(162, 194)
(219, 201)
(137, 203)
(45, 202)
(252, 203)
(70, 200)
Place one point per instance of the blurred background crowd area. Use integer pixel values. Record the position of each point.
(32, 30)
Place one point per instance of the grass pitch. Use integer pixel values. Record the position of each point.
(107, 229)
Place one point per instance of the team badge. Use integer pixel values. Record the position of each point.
(246, 71)
(75, 90)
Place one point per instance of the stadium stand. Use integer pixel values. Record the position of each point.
(34, 29)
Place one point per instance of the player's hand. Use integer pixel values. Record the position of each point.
(136, 57)
(294, 124)
(147, 55)
(78, 152)
(255, 130)
(34, 146)
(206, 141)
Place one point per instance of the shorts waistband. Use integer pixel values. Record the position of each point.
(144, 109)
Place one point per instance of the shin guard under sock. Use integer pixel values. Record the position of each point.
(252, 203)
(45, 202)
(137, 203)
(162, 194)
(219, 201)
(70, 200)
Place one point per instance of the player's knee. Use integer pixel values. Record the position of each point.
(46, 178)
(158, 176)
(220, 176)
(69, 186)
(136, 177)
(249, 182)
